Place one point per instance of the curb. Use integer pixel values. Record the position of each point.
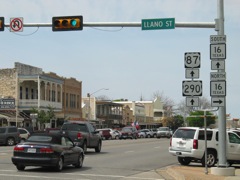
(171, 172)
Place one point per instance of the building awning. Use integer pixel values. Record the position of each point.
(10, 116)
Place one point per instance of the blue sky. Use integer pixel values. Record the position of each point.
(128, 61)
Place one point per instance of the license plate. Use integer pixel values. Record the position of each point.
(31, 150)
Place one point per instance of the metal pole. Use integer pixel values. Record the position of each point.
(222, 110)
(205, 138)
(89, 100)
(126, 24)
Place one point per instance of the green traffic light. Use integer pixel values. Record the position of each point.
(73, 22)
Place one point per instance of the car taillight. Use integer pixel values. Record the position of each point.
(195, 144)
(46, 150)
(18, 149)
(79, 135)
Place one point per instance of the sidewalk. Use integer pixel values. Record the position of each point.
(193, 172)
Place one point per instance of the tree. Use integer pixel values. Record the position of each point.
(196, 119)
(44, 117)
(182, 109)
(168, 103)
(173, 122)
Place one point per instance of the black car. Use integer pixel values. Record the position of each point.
(45, 149)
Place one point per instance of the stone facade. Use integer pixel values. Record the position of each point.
(8, 79)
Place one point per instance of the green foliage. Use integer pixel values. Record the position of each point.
(44, 117)
(174, 122)
(196, 119)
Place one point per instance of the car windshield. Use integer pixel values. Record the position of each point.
(163, 129)
(126, 130)
(184, 133)
(40, 138)
(44, 139)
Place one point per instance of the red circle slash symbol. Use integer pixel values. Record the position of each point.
(16, 24)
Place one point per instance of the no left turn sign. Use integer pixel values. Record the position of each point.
(16, 24)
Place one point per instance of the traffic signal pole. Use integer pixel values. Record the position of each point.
(126, 24)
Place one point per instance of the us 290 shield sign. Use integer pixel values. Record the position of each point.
(192, 88)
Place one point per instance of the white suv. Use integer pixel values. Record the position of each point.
(187, 143)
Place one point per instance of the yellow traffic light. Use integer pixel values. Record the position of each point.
(67, 23)
(2, 24)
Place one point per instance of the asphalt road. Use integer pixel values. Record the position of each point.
(119, 159)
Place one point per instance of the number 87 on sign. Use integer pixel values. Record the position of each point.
(192, 59)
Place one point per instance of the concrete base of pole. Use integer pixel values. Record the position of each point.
(223, 171)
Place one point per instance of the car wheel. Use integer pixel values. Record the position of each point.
(149, 136)
(99, 147)
(211, 159)
(184, 160)
(154, 135)
(117, 137)
(80, 161)
(84, 146)
(59, 166)
(10, 141)
(20, 167)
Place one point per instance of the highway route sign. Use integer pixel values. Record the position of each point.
(192, 101)
(217, 88)
(192, 73)
(192, 88)
(192, 59)
(218, 101)
(217, 51)
(217, 65)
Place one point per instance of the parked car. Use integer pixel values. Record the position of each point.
(105, 134)
(164, 132)
(9, 135)
(141, 134)
(117, 134)
(83, 134)
(188, 144)
(149, 134)
(47, 150)
(129, 132)
(113, 133)
(24, 134)
(154, 130)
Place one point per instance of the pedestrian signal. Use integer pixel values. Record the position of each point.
(67, 23)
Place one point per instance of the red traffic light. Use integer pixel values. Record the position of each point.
(67, 23)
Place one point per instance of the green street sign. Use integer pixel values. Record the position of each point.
(154, 24)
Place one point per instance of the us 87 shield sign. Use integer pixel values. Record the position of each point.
(192, 88)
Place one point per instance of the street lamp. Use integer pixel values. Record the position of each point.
(89, 100)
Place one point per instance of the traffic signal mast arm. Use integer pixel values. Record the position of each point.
(126, 24)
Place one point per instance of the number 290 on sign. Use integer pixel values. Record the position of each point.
(192, 88)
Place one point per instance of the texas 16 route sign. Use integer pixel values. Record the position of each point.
(192, 88)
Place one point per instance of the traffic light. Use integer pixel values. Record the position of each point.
(67, 23)
(1, 23)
